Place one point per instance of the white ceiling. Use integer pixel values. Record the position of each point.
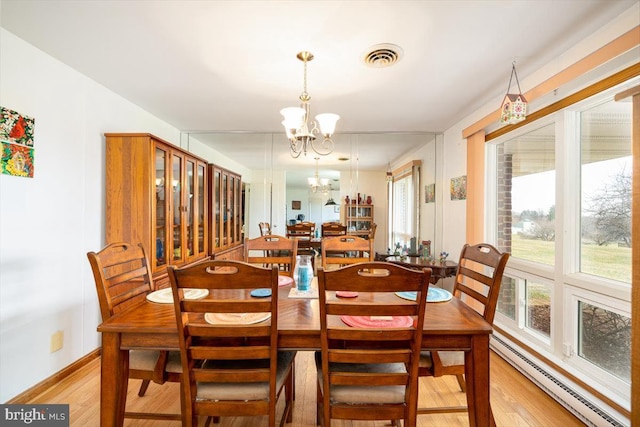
(230, 66)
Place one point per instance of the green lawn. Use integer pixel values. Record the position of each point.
(604, 261)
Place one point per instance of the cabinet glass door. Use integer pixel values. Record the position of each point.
(224, 229)
(176, 208)
(217, 195)
(231, 209)
(237, 210)
(190, 203)
(200, 209)
(160, 229)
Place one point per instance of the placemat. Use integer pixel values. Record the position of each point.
(433, 295)
(284, 280)
(346, 294)
(165, 296)
(231, 319)
(377, 322)
(311, 293)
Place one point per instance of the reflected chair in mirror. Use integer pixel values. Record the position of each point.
(229, 342)
(333, 229)
(343, 250)
(477, 284)
(370, 345)
(265, 228)
(303, 232)
(372, 231)
(123, 278)
(272, 250)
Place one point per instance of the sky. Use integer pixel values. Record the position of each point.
(537, 191)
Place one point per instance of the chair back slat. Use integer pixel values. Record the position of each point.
(333, 229)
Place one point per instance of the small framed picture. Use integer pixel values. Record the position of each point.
(295, 205)
(336, 209)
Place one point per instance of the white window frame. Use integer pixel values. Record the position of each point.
(572, 296)
(569, 285)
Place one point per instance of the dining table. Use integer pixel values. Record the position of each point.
(439, 270)
(450, 325)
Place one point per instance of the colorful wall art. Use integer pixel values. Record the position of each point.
(430, 193)
(459, 188)
(16, 136)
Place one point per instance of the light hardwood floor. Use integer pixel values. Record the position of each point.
(515, 400)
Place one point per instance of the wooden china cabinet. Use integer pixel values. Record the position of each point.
(156, 194)
(359, 219)
(225, 214)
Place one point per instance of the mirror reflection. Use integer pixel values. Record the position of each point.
(281, 190)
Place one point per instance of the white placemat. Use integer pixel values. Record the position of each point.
(311, 293)
(165, 296)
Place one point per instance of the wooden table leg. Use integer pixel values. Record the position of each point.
(114, 380)
(477, 379)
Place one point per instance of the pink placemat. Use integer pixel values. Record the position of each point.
(284, 280)
(346, 294)
(378, 322)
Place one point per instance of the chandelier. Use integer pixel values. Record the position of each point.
(316, 182)
(301, 134)
(330, 201)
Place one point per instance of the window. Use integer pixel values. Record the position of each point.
(538, 307)
(524, 304)
(604, 339)
(507, 300)
(403, 206)
(561, 205)
(401, 228)
(605, 151)
(599, 332)
(526, 195)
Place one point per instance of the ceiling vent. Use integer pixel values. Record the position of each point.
(383, 55)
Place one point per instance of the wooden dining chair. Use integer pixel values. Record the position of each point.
(477, 284)
(370, 345)
(123, 277)
(272, 250)
(234, 336)
(372, 231)
(265, 228)
(303, 232)
(339, 251)
(333, 229)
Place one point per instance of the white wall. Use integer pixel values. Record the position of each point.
(49, 223)
(267, 201)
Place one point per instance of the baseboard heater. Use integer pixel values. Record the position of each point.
(586, 407)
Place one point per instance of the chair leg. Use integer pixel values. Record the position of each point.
(289, 394)
(461, 382)
(318, 405)
(143, 387)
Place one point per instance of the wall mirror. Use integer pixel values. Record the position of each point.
(358, 165)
